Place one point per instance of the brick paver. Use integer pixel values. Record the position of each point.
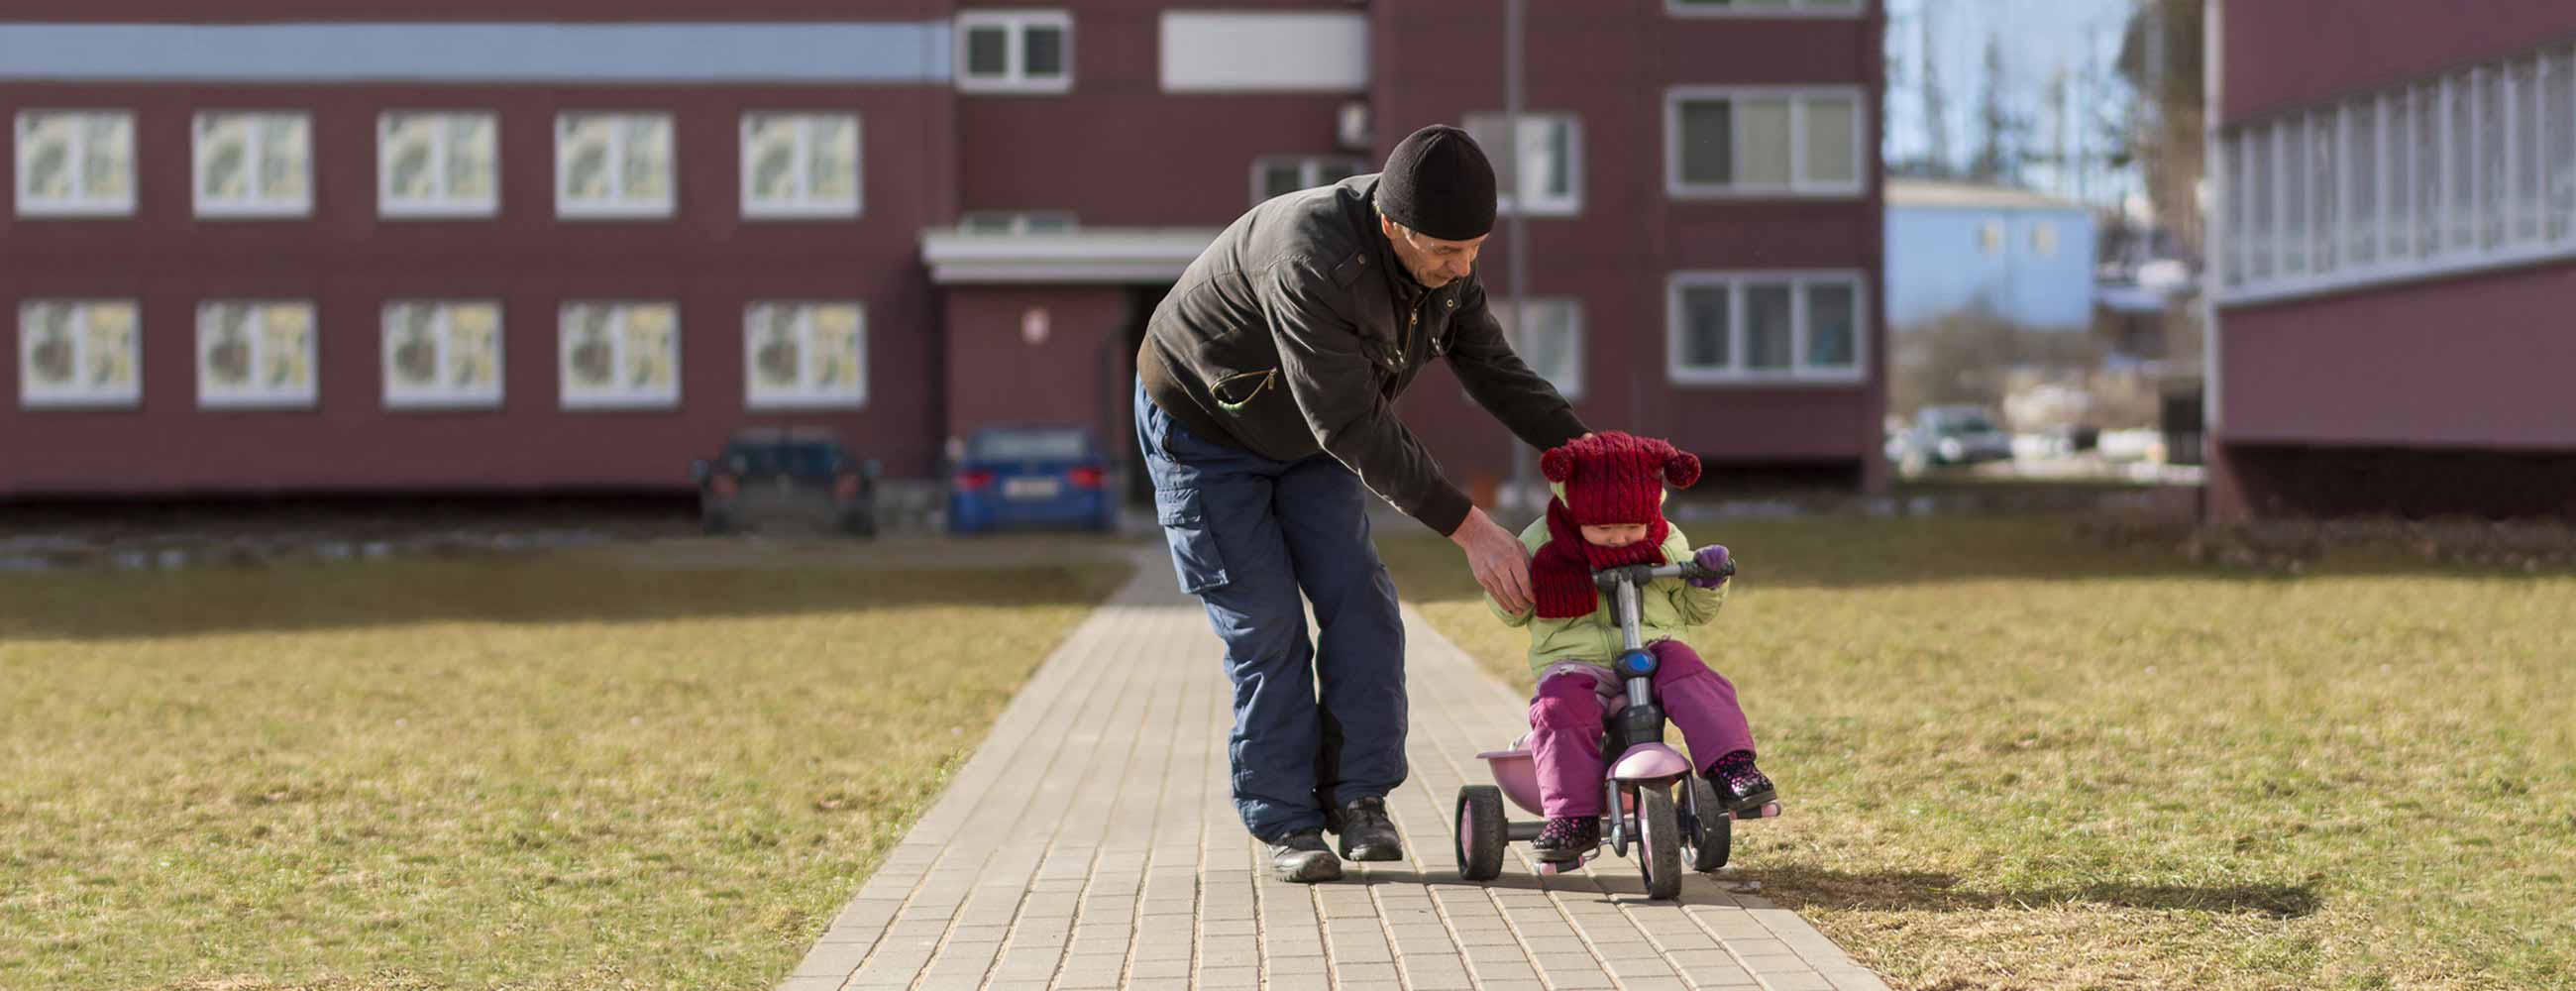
(1090, 843)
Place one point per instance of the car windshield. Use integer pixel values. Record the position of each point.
(785, 459)
(1030, 445)
(1962, 421)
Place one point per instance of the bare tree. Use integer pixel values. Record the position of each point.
(2001, 134)
(1936, 105)
(2161, 57)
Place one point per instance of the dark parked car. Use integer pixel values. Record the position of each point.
(1011, 477)
(768, 472)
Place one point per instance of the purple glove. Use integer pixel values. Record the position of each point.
(1713, 557)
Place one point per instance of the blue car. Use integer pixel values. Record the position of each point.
(1031, 477)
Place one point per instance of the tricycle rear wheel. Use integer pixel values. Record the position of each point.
(1482, 833)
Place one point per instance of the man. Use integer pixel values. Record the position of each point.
(1265, 404)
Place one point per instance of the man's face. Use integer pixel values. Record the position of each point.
(1431, 261)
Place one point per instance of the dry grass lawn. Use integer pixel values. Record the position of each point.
(2015, 760)
(555, 774)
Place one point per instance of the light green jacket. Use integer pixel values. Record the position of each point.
(1664, 607)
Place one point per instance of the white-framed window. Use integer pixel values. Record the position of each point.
(2231, 167)
(2557, 144)
(2469, 169)
(619, 354)
(1550, 342)
(2524, 140)
(438, 163)
(1015, 51)
(1764, 8)
(1281, 175)
(1766, 327)
(2290, 160)
(442, 354)
(800, 165)
(1763, 141)
(805, 354)
(2395, 157)
(75, 163)
(2460, 162)
(254, 163)
(2325, 232)
(255, 354)
(2359, 156)
(2258, 167)
(1990, 236)
(1543, 168)
(79, 354)
(613, 165)
(1016, 222)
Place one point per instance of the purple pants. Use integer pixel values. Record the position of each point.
(1565, 726)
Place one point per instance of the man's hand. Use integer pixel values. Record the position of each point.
(1500, 562)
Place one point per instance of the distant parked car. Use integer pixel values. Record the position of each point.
(769, 472)
(1014, 477)
(1955, 435)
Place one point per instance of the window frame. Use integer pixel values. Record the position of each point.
(1826, 9)
(805, 396)
(446, 205)
(806, 206)
(1507, 201)
(1735, 373)
(444, 395)
(1509, 319)
(2416, 225)
(81, 395)
(1309, 172)
(255, 206)
(307, 397)
(622, 207)
(623, 399)
(1798, 186)
(1019, 223)
(1015, 24)
(80, 204)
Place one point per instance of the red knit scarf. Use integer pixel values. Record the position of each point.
(1562, 572)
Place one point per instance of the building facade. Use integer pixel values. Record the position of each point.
(2395, 223)
(570, 245)
(1952, 247)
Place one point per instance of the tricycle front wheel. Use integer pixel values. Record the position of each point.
(1659, 843)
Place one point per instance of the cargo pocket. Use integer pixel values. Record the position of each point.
(1194, 556)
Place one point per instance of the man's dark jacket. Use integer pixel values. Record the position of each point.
(1295, 332)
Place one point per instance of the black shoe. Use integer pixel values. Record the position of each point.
(1741, 786)
(1302, 857)
(1367, 834)
(1567, 840)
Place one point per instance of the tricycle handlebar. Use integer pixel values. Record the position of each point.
(1609, 579)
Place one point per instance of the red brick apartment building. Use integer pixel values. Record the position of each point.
(2396, 212)
(566, 245)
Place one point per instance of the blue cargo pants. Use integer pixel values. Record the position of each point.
(1316, 723)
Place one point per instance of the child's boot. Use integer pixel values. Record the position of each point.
(1742, 786)
(1567, 839)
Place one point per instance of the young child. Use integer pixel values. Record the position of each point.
(1608, 511)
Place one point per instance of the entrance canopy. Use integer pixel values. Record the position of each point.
(1095, 256)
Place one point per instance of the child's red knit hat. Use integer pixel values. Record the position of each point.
(1613, 479)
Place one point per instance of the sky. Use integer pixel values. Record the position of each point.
(2039, 38)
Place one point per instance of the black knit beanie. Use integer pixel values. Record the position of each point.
(1438, 182)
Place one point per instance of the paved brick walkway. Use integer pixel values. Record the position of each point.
(1090, 844)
